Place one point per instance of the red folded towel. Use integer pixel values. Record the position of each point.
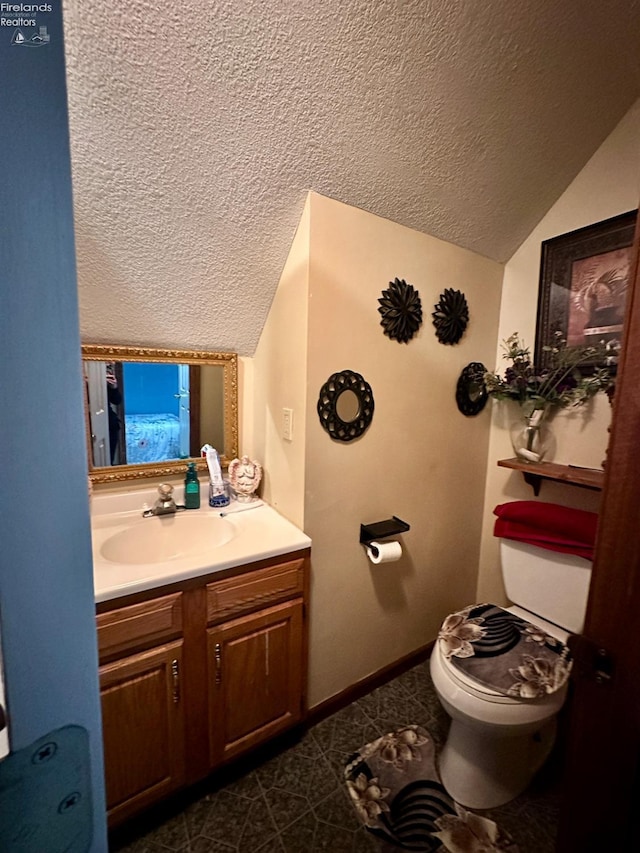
(551, 526)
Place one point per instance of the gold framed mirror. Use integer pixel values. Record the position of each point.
(149, 411)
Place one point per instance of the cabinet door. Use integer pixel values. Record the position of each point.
(255, 678)
(143, 728)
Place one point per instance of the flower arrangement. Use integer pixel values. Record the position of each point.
(561, 384)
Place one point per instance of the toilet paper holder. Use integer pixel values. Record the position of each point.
(382, 529)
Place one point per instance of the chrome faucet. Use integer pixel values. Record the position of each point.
(165, 504)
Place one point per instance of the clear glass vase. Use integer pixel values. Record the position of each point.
(531, 436)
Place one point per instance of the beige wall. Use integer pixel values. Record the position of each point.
(608, 185)
(420, 459)
(279, 381)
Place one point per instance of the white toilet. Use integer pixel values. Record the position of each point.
(497, 741)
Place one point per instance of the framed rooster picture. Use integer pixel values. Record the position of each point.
(584, 276)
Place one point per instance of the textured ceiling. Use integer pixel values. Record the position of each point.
(198, 127)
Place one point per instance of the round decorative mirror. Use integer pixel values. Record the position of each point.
(471, 392)
(345, 405)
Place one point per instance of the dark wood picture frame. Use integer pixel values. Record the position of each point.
(584, 277)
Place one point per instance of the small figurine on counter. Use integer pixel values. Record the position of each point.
(244, 476)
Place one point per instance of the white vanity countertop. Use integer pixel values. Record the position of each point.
(258, 533)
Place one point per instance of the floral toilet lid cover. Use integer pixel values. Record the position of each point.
(501, 651)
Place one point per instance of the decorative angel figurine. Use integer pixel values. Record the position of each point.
(244, 476)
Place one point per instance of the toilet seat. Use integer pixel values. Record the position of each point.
(470, 685)
(508, 651)
(463, 699)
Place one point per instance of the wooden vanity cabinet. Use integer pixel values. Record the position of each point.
(255, 661)
(192, 676)
(255, 679)
(143, 709)
(143, 729)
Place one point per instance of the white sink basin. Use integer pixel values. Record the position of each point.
(133, 554)
(169, 537)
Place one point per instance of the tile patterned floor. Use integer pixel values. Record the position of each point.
(296, 800)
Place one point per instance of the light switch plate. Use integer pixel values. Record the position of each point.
(287, 424)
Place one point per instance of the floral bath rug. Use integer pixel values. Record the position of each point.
(397, 793)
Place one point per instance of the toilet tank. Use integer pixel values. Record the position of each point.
(549, 584)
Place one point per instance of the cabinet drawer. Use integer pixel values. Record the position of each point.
(251, 590)
(155, 620)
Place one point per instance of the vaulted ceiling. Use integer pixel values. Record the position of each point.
(198, 127)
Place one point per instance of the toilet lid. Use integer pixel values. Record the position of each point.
(501, 653)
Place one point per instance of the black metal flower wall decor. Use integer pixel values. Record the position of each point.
(401, 310)
(451, 316)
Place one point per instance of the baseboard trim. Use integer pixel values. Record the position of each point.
(356, 691)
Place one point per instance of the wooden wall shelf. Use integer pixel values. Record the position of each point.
(535, 472)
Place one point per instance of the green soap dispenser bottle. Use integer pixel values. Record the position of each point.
(191, 488)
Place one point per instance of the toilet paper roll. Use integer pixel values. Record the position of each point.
(384, 552)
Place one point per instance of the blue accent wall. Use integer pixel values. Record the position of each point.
(150, 389)
(46, 579)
